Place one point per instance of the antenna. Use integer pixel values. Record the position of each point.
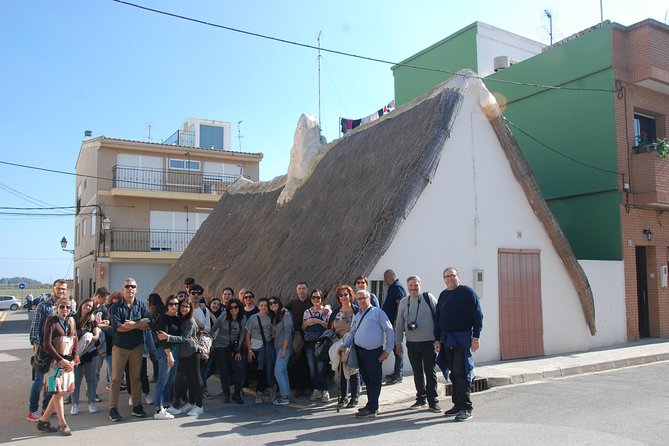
(548, 14)
(147, 126)
(239, 134)
(318, 39)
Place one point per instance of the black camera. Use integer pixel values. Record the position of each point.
(412, 326)
(234, 346)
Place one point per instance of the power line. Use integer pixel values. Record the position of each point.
(356, 56)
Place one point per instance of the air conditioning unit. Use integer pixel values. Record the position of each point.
(502, 62)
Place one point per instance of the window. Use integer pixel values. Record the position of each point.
(177, 164)
(644, 129)
(211, 136)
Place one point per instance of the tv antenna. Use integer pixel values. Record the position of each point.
(239, 134)
(548, 14)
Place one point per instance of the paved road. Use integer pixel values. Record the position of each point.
(620, 407)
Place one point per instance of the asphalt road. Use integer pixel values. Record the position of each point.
(620, 407)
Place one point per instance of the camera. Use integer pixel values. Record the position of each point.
(412, 326)
(234, 346)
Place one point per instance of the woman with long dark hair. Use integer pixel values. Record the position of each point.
(169, 324)
(314, 323)
(261, 353)
(228, 349)
(282, 332)
(340, 323)
(88, 334)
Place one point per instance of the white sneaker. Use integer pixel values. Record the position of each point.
(326, 397)
(92, 408)
(148, 400)
(130, 400)
(186, 408)
(195, 411)
(163, 415)
(258, 397)
(317, 395)
(74, 410)
(172, 410)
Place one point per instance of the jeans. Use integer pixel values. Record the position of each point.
(371, 371)
(315, 367)
(35, 389)
(422, 358)
(457, 364)
(281, 372)
(163, 390)
(230, 370)
(85, 370)
(398, 371)
(188, 375)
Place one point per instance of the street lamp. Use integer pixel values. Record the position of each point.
(63, 244)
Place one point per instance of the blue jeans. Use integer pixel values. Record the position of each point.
(281, 372)
(85, 370)
(163, 391)
(35, 389)
(315, 367)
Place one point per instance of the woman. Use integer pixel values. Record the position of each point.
(208, 368)
(261, 353)
(156, 308)
(362, 283)
(228, 347)
(227, 294)
(167, 355)
(282, 332)
(314, 323)
(88, 334)
(340, 323)
(60, 341)
(188, 370)
(113, 298)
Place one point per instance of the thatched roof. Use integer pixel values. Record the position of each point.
(345, 216)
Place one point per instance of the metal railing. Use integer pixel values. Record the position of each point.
(147, 240)
(185, 138)
(127, 177)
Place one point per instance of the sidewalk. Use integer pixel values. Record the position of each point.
(504, 373)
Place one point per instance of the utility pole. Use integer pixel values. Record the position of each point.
(550, 24)
(318, 39)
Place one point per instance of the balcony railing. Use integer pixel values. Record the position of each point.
(185, 138)
(650, 180)
(171, 180)
(146, 240)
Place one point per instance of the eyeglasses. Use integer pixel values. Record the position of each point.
(450, 275)
(129, 286)
(343, 295)
(60, 307)
(362, 298)
(195, 292)
(273, 302)
(234, 307)
(173, 304)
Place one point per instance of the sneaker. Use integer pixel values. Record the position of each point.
(463, 415)
(163, 414)
(258, 397)
(365, 413)
(138, 411)
(316, 395)
(186, 408)
(195, 411)
(74, 410)
(172, 410)
(45, 426)
(92, 408)
(342, 402)
(114, 415)
(281, 401)
(206, 395)
(33, 416)
(326, 397)
(394, 380)
(418, 405)
(148, 400)
(97, 398)
(64, 430)
(453, 411)
(435, 407)
(352, 404)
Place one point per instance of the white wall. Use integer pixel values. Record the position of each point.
(473, 207)
(492, 42)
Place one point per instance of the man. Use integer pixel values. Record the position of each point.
(460, 320)
(29, 301)
(369, 328)
(226, 295)
(415, 317)
(188, 282)
(396, 292)
(42, 312)
(298, 369)
(129, 319)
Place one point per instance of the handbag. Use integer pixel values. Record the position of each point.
(313, 332)
(203, 341)
(322, 348)
(41, 360)
(53, 382)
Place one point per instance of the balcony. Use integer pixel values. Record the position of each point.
(650, 180)
(170, 180)
(146, 240)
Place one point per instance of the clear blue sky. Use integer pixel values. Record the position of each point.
(75, 65)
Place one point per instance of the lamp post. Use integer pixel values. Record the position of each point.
(63, 245)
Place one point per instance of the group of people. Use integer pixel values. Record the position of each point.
(281, 351)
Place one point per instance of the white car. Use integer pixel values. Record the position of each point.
(9, 303)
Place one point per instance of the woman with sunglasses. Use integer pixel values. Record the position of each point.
(88, 334)
(60, 341)
(261, 353)
(340, 323)
(168, 323)
(188, 371)
(282, 331)
(314, 323)
(228, 347)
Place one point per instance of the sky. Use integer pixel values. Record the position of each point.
(123, 72)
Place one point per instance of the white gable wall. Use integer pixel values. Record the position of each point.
(473, 207)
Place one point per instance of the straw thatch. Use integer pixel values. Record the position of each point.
(345, 216)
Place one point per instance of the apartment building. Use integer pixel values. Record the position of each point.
(140, 203)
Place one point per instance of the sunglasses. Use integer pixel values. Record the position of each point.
(195, 292)
(173, 304)
(343, 295)
(273, 302)
(248, 297)
(60, 307)
(234, 307)
(129, 286)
